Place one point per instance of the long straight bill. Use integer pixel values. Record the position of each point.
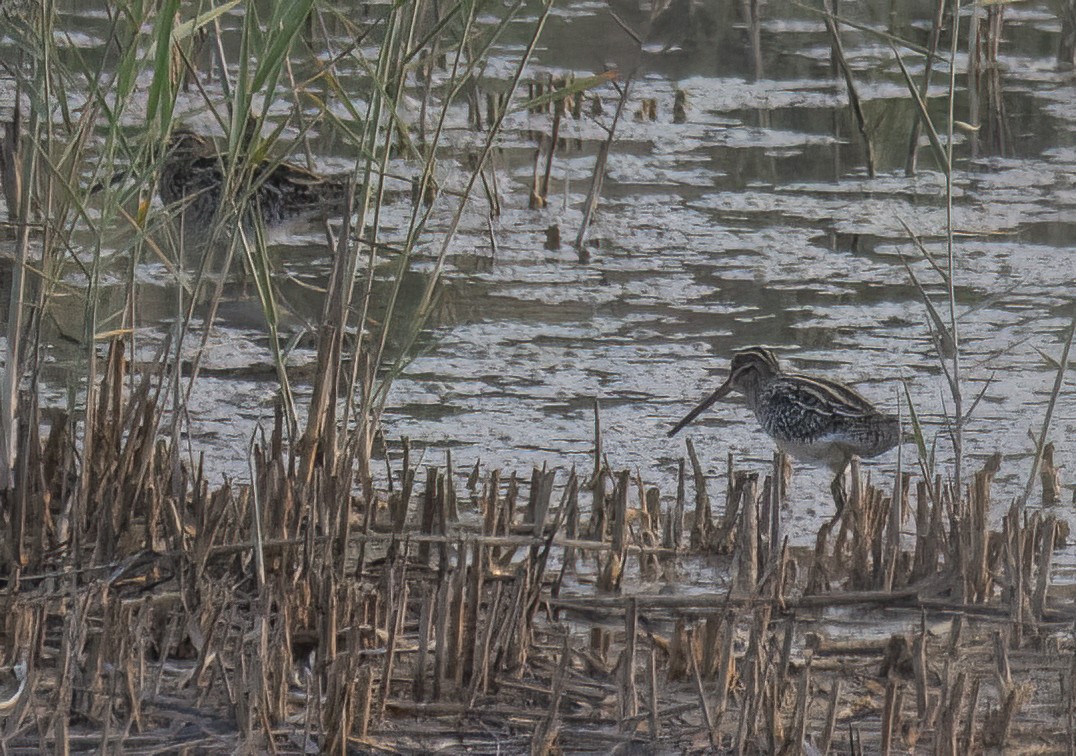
(724, 389)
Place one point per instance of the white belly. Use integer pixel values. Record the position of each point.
(822, 451)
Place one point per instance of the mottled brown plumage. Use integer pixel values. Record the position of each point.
(192, 178)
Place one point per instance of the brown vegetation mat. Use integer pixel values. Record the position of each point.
(144, 613)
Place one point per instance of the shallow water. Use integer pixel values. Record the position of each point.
(754, 222)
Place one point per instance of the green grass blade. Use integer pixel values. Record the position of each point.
(575, 87)
(187, 28)
(161, 95)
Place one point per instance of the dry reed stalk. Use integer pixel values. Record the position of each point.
(700, 691)
(890, 572)
(854, 102)
(545, 737)
(866, 514)
(747, 552)
(818, 580)
(365, 684)
(983, 50)
(674, 526)
(472, 629)
(447, 614)
(590, 206)
(729, 517)
(11, 168)
(907, 732)
(784, 661)
(612, 571)
(554, 140)
(535, 200)
(798, 734)
(490, 510)
(425, 623)
(348, 700)
(539, 554)
(599, 643)
(951, 706)
(397, 504)
(507, 513)
(17, 176)
(850, 519)
(510, 643)
(938, 532)
(722, 539)
(890, 716)
(651, 504)
(778, 490)
(571, 526)
(432, 502)
(920, 671)
(541, 491)
(783, 574)
(967, 740)
(831, 717)
(1048, 531)
(974, 534)
(727, 669)
(711, 652)
(1070, 704)
(767, 547)
(1013, 547)
(653, 714)
(679, 648)
(480, 681)
(774, 725)
(998, 722)
(925, 561)
(628, 694)
(1050, 477)
(395, 613)
(596, 529)
(680, 106)
(756, 664)
(912, 160)
(702, 524)
(648, 537)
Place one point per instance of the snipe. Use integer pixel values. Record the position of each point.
(811, 418)
(192, 177)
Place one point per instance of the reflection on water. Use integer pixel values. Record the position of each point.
(753, 222)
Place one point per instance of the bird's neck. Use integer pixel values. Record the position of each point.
(751, 391)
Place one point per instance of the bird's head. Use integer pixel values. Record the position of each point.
(750, 368)
(185, 144)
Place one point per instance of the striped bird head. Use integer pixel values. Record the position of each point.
(185, 144)
(188, 165)
(750, 368)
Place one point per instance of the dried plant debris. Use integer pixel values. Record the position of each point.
(507, 615)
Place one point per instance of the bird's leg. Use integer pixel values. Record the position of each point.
(840, 496)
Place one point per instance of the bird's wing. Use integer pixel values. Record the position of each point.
(807, 409)
(824, 395)
(297, 175)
